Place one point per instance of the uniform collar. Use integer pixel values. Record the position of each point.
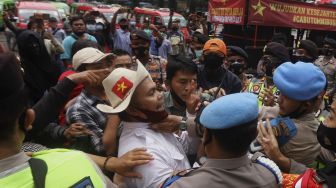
(228, 163)
(13, 161)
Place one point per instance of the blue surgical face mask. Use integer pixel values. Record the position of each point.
(99, 27)
(91, 27)
(198, 53)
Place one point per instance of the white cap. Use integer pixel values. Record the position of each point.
(119, 87)
(87, 56)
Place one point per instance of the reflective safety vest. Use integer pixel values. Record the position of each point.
(256, 86)
(65, 169)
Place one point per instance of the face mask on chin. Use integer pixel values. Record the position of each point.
(153, 116)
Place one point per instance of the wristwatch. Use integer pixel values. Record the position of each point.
(183, 124)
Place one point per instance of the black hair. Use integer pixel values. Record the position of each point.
(80, 44)
(76, 18)
(30, 24)
(120, 52)
(236, 140)
(179, 63)
(11, 110)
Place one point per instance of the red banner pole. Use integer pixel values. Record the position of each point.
(255, 37)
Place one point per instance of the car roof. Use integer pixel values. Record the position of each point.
(156, 12)
(35, 5)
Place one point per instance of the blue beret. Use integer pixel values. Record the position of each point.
(300, 81)
(230, 111)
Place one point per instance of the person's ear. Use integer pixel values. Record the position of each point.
(29, 119)
(206, 137)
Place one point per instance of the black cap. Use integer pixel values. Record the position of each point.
(140, 34)
(310, 47)
(52, 19)
(330, 41)
(277, 50)
(235, 50)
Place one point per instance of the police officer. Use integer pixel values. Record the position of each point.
(306, 51)
(297, 102)
(327, 63)
(274, 55)
(237, 62)
(230, 125)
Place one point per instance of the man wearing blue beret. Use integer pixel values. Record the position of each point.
(230, 125)
(327, 63)
(302, 86)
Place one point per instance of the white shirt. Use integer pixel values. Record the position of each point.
(167, 152)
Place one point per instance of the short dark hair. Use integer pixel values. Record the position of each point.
(80, 44)
(236, 140)
(76, 18)
(30, 24)
(179, 63)
(120, 52)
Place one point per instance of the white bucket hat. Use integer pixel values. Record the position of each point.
(120, 85)
(87, 56)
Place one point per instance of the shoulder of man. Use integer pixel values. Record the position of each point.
(170, 180)
(262, 160)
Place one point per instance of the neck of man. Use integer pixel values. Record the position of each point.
(8, 149)
(215, 152)
(144, 60)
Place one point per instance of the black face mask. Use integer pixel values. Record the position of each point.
(212, 61)
(237, 68)
(124, 27)
(327, 137)
(153, 116)
(177, 99)
(140, 51)
(305, 59)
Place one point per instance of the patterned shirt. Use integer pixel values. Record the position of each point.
(156, 66)
(84, 111)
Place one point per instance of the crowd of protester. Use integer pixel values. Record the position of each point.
(146, 107)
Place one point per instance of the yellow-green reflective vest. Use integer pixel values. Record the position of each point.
(65, 168)
(256, 86)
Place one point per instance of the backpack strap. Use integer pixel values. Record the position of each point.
(269, 164)
(39, 171)
(56, 30)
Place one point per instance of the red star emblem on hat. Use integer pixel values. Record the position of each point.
(121, 88)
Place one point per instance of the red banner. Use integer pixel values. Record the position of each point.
(227, 11)
(291, 14)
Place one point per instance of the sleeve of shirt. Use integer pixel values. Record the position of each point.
(154, 173)
(169, 47)
(296, 168)
(106, 180)
(78, 114)
(67, 49)
(47, 109)
(236, 85)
